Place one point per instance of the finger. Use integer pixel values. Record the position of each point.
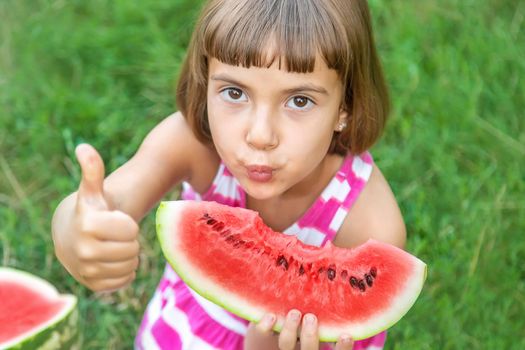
(109, 284)
(288, 336)
(265, 325)
(91, 189)
(344, 343)
(110, 226)
(309, 336)
(105, 270)
(107, 251)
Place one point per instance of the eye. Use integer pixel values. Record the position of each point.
(233, 95)
(301, 103)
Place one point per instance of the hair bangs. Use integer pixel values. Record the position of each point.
(261, 32)
(293, 33)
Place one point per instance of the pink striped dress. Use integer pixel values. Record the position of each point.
(178, 318)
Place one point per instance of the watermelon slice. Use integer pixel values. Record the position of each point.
(229, 256)
(33, 315)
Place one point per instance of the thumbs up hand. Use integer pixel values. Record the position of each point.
(91, 189)
(97, 245)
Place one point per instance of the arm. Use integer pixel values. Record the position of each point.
(95, 230)
(375, 215)
(168, 155)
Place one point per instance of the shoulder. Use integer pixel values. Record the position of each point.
(173, 146)
(375, 214)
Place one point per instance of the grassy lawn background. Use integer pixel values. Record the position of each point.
(454, 149)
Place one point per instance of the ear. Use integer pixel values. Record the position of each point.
(342, 120)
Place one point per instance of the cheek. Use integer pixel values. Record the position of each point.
(217, 113)
(214, 118)
(311, 139)
(224, 133)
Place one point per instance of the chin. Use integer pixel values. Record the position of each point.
(260, 191)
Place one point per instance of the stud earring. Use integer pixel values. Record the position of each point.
(341, 125)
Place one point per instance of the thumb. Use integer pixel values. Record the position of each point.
(266, 324)
(91, 189)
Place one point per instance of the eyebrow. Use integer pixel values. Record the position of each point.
(300, 88)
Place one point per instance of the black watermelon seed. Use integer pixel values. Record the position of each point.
(308, 267)
(211, 221)
(373, 272)
(369, 280)
(331, 274)
(301, 270)
(282, 261)
(362, 286)
(218, 226)
(353, 281)
(238, 243)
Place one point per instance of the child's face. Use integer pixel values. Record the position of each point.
(273, 128)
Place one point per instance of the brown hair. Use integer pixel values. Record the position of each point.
(238, 32)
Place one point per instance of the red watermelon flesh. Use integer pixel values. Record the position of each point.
(28, 306)
(232, 258)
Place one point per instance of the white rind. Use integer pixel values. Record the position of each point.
(168, 218)
(43, 288)
(30, 281)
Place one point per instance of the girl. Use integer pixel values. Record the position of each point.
(279, 102)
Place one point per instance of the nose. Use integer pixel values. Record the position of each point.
(261, 133)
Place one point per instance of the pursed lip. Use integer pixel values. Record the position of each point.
(259, 173)
(259, 168)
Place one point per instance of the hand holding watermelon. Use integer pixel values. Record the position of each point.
(97, 245)
(307, 330)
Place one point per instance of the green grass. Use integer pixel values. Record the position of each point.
(453, 151)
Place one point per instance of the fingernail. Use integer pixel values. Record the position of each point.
(309, 319)
(269, 319)
(346, 339)
(294, 315)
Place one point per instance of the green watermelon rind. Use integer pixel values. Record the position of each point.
(59, 333)
(62, 335)
(166, 221)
